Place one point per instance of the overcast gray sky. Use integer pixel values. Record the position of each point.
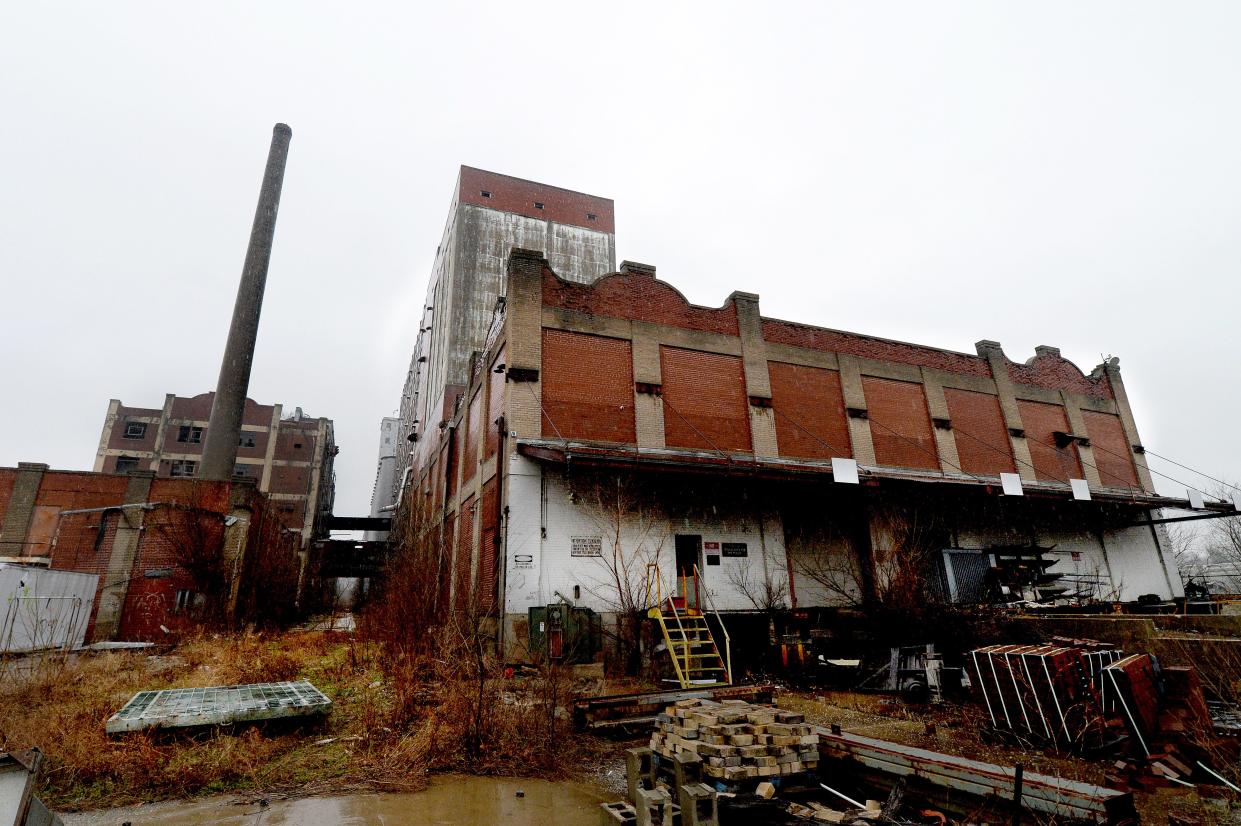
(1040, 173)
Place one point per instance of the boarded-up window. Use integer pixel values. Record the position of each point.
(809, 411)
(453, 459)
(1112, 454)
(488, 549)
(1051, 463)
(473, 426)
(42, 530)
(705, 403)
(444, 595)
(437, 487)
(983, 444)
(462, 577)
(587, 387)
(900, 426)
(495, 405)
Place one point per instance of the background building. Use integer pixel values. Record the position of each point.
(290, 459)
(489, 215)
(138, 535)
(384, 494)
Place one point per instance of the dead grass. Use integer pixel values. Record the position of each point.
(385, 731)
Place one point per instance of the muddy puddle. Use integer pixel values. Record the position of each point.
(470, 801)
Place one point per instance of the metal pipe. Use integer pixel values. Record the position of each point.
(224, 426)
(846, 799)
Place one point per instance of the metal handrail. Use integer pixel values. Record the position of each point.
(663, 625)
(728, 647)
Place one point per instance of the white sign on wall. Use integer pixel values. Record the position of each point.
(586, 546)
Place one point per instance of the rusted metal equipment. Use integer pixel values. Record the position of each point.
(620, 710)
(1039, 793)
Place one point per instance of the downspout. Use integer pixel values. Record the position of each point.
(501, 529)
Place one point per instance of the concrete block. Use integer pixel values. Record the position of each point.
(614, 813)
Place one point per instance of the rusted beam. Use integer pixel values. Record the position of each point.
(1040, 793)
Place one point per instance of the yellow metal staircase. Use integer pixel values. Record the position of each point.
(696, 658)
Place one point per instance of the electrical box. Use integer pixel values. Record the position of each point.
(565, 633)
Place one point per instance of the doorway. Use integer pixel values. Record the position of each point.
(689, 552)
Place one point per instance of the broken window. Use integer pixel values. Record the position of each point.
(538, 205)
(241, 470)
(182, 468)
(124, 464)
(590, 216)
(245, 440)
(135, 430)
(191, 434)
(486, 194)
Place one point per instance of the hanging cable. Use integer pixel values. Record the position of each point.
(702, 435)
(1152, 470)
(1191, 470)
(795, 424)
(546, 415)
(1002, 452)
(932, 453)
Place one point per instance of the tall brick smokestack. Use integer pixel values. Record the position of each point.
(224, 427)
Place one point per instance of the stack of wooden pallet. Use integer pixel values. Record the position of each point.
(737, 740)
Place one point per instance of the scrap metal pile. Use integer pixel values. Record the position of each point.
(1087, 697)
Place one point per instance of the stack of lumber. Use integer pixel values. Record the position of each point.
(737, 740)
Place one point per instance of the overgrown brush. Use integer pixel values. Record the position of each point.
(63, 710)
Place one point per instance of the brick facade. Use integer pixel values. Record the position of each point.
(288, 456)
(587, 387)
(626, 368)
(900, 426)
(982, 440)
(704, 400)
(1051, 462)
(131, 532)
(810, 411)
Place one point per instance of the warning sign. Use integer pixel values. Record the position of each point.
(587, 546)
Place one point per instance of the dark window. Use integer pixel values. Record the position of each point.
(538, 204)
(241, 470)
(245, 440)
(486, 194)
(590, 216)
(124, 464)
(135, 430)
(191, 434)
(297, 445)
(182, 468)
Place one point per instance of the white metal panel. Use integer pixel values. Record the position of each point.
(41, 608)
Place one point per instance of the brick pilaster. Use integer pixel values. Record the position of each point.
(994, 354)
(20, 511)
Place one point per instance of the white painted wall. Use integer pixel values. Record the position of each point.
(543, 521)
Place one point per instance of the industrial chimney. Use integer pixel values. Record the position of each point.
(224, 427)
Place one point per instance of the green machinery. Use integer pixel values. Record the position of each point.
(565, 633)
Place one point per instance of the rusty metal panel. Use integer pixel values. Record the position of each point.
(1041, 793)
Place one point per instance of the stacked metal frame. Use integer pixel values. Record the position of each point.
(1038, 692)
(1132, 685)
